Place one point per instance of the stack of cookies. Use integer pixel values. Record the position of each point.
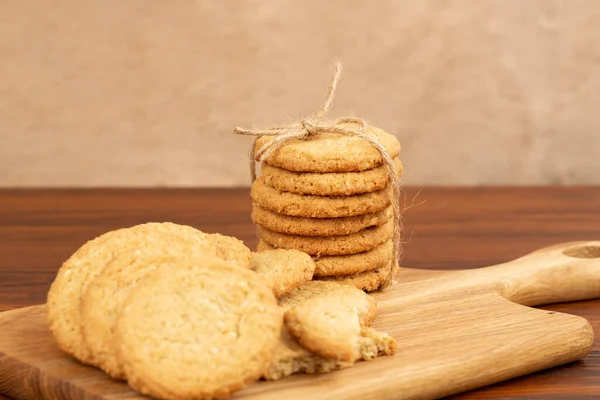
(330, 196)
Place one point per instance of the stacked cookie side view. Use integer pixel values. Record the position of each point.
(330, 195)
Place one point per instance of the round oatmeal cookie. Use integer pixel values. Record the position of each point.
(303, 205)
(368, 281)
(329, 184)
(213, 325)
(71, 282)
(331, 152)
(358, 242)
(318, 226)
(230, 248)
(349, 264)
(108, 290)
(282, 269)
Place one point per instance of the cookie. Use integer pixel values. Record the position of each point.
(290, 357)
(200, 329)
(66, 292)
(331, 152)
(106, 293)
(302, 205)
(283, 270)
(329, 184)
(349, 264)
(314, 289)
(368, 281)
(364, 240)
(70, 284)
(330, 324)
(338, 332)
(373, 344)
(230, 248)
(318, 226)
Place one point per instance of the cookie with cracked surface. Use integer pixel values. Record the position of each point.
(369, 280)
(349, 264)
(107, 291)
(309, 206)
(283, 270)
(329, 184)
(71, 282)
(358, 242)
(318, 226)
(332, 325)
(213, 325)
(332, 152)
(292, 358)
(373, 343)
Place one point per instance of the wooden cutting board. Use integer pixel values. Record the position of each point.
(456, 330)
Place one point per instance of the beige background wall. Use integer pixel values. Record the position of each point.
(147, 92)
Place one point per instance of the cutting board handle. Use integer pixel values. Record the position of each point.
(555, 274)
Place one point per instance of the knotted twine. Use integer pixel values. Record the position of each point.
(316, 124)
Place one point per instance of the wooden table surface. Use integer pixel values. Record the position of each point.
(455, 228)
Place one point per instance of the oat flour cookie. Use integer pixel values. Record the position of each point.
(364, 240)
(313, 289)
(69, 286)
(349, 264)
(318, 289)
(230, 248)
(283, 270)
(330, 152)
(329, 184)
(332, 325)
(368, 281)
(373, 344)
(106, 293)
(290, 357)
(302, 205)
(213, 325)
(318, 226)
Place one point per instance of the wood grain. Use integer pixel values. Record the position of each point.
(456, 331)
(40, 228)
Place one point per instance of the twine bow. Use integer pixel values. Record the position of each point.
(316, 124)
